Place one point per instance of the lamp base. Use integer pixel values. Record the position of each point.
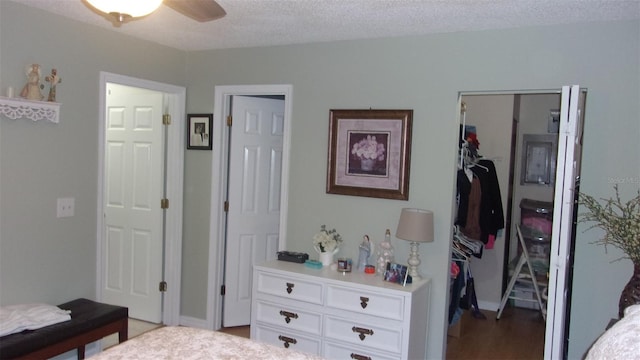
(414, 261)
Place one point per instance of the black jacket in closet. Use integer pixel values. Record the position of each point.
(491, 213)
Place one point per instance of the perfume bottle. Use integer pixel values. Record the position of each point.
(384, 253)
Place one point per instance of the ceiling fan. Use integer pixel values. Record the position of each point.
(123, 10)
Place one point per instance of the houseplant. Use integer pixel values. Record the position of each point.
(621, 224)
(326, 243)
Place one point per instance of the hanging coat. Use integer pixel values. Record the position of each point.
(491, 212)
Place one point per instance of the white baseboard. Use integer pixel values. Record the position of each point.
(488, 305)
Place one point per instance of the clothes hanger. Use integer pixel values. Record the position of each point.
(473, 162)
(456, 246)
(463, 256)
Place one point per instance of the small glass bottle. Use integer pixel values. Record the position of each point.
(384, 253)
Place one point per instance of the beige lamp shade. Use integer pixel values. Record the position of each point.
(415, 225)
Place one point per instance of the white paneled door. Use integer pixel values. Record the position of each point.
(567, 172)
(133, 188)
(253, 219)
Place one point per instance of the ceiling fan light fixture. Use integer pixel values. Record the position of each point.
(125, 8)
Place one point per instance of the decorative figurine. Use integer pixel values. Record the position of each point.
(53, 80)
(365, 252)
(31, 90)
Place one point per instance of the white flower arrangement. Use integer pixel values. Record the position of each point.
(368, 148)
(327, 240)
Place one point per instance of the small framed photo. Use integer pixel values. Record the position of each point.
(397, 273)
(199, 131)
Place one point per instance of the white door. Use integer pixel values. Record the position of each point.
(569, 155)
(253, 218)
(133, 188)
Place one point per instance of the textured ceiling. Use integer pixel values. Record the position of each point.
(251, 23)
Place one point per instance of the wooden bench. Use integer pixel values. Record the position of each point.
(90, 321)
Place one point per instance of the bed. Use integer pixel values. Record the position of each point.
(177, 342)
(620, 341)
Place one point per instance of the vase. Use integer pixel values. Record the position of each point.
(367, 164)
(326, 257)
(631, 292)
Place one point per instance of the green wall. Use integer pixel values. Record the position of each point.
(40, 162)
(425, 74)
(43, 258)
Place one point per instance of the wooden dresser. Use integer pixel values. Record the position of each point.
(338, 316)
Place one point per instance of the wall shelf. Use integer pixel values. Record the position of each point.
(16, 108)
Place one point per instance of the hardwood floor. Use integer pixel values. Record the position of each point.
(242, 331)
(519, 334)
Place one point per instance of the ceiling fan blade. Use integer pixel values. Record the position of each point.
(199, 10)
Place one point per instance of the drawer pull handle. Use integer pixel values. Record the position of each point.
(288, 315)
(290, 288)
(363, 332)
(364, 301)
(287, 340)
(360, 357)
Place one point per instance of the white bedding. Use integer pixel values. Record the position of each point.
(174, 342)
(621, 341)
(17, 318)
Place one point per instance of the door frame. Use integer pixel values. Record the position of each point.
(564, 221)
(219, 169)
(174, 100)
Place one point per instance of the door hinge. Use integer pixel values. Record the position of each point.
(229, 120)
(226, 206)
(166, 119)
(164, 203)
(223, 290)
(163, 286)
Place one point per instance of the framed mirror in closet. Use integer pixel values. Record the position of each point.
(496, 148)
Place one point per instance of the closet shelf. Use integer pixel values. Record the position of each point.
(16, 108)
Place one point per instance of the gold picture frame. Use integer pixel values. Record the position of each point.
(369, 153)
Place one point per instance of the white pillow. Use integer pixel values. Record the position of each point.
(17, 318)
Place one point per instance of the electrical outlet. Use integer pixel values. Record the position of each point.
(66, 207)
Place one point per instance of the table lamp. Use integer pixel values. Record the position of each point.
(416, 226)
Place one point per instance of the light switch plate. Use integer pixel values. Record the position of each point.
(66, 207)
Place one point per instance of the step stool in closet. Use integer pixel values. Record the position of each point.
(519, 275)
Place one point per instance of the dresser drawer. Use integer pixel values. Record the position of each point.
(290, 318)
(339, 316)
(333, 350)
(289, 288)
(289, 340)
(365, 302)
(381, 335)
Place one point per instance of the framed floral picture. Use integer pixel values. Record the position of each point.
(199, 131)
(369, 153)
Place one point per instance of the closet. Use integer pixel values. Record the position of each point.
(478, 219)
(513, 130)
(500, 124)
